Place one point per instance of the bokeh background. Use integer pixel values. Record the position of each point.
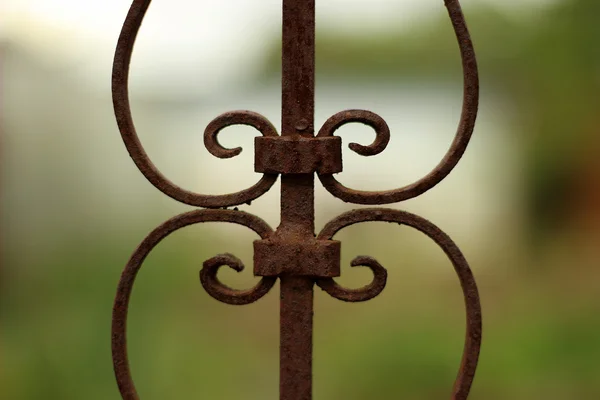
(523, 204)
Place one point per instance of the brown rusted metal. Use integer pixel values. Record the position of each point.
(310, 257)
(293, 253)
(298, 155)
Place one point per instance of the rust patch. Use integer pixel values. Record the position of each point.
(293, 253)
(298, 155)
(314, 258)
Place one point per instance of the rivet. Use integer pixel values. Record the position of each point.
(301, 125)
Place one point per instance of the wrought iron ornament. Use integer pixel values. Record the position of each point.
(293, 253)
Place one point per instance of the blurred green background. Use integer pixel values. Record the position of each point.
(523, 204)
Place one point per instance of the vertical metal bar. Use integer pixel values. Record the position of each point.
(298, 67)
(293, 253)
(295, 376)
(297, 199)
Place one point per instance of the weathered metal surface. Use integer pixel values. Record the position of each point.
(309, 257)
(298, 155)
(465, 276)
(293, 253)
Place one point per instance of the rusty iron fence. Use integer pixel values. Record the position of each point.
(293, 253)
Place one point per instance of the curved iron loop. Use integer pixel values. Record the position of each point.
(240, 117)
(120, 95)
(382, 131)
(225, 294)
(458, 146)
(361, 294)
(121, 305)
(472, 346)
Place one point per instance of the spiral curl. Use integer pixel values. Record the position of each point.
(454, 153)
(472, 345)
(240, 117)
(364, 293)
(208, 277)
(122, 108)
(382, 131)
(225, 294)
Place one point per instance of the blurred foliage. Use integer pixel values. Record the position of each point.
(406, 343)
(540, 329)
(546, 68)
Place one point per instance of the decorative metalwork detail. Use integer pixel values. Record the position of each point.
(293, 253)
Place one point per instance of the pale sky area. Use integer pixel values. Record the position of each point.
(193, 38)
(201, 47)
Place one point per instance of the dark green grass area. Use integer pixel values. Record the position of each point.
(55, 338)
